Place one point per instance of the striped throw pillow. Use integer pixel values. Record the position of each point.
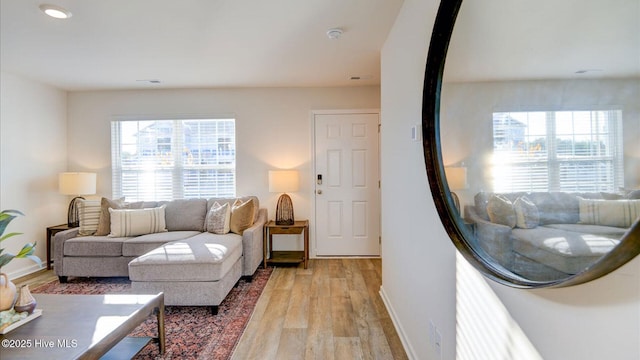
(134, 222)
(88, 214)
(618, 213)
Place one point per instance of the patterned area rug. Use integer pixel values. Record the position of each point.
(191, 331)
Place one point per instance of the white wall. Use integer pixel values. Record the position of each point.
(273, 130)
(425, 282)
(418, 260)
(33, 141)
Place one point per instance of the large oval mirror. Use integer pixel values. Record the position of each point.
(532, 136)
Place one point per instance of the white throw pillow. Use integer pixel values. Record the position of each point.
(218, 218)
(89, 215)
(134, 222)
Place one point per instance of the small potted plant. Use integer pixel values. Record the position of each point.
(7, 288)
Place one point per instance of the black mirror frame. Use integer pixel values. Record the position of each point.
(459, 232)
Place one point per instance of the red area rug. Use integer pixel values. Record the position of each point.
(191, 331)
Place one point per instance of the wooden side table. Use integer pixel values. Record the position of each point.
(285, 257)
(51, 231)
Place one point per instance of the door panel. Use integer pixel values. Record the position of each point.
(334, 168)
(348, 199)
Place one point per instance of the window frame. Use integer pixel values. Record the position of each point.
(553, 160)
(176, 167)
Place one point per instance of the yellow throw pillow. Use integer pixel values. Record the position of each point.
(241, 215)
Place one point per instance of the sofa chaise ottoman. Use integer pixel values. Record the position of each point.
(198, 271)
(550, 235)
(190, 264)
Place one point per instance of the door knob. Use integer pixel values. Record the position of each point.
(319, 192)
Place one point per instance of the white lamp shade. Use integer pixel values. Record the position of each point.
(77, 183)
(282, 181)
(456, 177)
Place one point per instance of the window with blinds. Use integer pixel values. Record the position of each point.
(573, 151)
(173, 159)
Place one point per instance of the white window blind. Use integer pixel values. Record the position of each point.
(574, 151)
(173, 159)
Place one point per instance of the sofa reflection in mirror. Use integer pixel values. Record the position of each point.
(546, 236)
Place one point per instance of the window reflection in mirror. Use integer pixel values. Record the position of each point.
(540, 109)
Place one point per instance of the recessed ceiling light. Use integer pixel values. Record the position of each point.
(55, 11)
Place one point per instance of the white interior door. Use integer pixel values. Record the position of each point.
(347, 185)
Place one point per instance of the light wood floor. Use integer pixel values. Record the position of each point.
(36, 279)
(330, 311)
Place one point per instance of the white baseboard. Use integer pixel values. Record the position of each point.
(25, 271)
(403, 337)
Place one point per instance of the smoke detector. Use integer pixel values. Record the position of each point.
(334, 33)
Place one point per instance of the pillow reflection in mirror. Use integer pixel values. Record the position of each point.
(618, 213)
(633, 195)
(527, 215)
(501, 210)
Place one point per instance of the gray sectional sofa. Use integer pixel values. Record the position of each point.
(547, 236)
(191, 265)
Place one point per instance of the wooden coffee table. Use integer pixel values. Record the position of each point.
(85, 327)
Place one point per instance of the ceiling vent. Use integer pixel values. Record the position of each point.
(150, 81)
(334, 33)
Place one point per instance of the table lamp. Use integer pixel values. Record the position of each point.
(76, 183)
(283, 181)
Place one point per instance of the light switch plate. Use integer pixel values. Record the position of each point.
(416, 132)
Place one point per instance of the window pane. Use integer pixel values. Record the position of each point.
(557, 151)
(172, 159)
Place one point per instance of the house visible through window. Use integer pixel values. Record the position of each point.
(574, 151)
(173, 159)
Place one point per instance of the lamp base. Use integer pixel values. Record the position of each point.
(284, 211)
(456, 201)
(72, 214)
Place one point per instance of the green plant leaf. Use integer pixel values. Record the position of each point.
(4, 222)
(11, 211)
(6, 216)
(5, 258)
(9, 235)
(27, 250)
(35, 259)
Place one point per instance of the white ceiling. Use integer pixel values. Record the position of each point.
(545, 39)
(112, 44)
